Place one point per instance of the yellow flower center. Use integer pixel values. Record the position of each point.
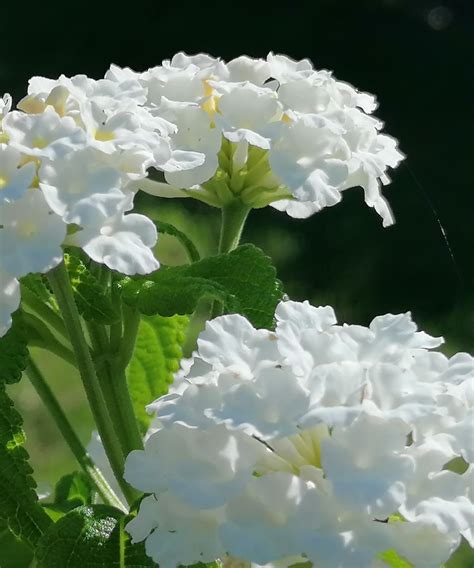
(211, 103)
(27, 229)
(39, 142)
(3, 181)
(104, 135)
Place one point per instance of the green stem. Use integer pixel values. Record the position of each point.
(131, 323)
(62, 289)
(90, 469)
(44, 311)
(233, 220)
(41, 336)
(113, 382)
(233, 217)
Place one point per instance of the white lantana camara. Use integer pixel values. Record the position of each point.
(257, 131)
(273, 131)
(315, 442)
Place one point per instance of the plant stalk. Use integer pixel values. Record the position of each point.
(90, 469)
(62, 289)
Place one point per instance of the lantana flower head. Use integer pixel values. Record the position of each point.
(67, 158)
(315, 442)
(253, 131)
(306, 137)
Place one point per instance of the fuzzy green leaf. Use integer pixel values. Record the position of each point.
(155, 360)
(170, 291)
(91, 536)
(74, 489)
(19, 506)
(13, 552)
(37, 285)
(93, 303)
(13, 351)
(244, 281)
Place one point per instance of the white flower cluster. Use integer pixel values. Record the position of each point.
(269, 129)
(68, 160)
(317, 442)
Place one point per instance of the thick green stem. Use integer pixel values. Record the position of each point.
(131, 323)
(233, 217)
(233, 220)
(114, 387)
(62, 289)
(90, 469)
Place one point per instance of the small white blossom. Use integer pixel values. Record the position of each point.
(14, 178)
(121, 242)
(82, 187)
(245, 111)
(45, 135)
(5, 105)
(195, 139)
(31, 235)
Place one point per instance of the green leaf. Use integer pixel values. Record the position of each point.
(13, 351)
(71, 491)
(93, 303)
(37, 285)
(91, 536)
(170, 291)
(244, 281)
(19, 505)
(155, 360)
(187, 243)
(74, 489)
(13, 552)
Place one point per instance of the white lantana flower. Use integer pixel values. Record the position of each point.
(31, 235)
(245, 111)
(121, 242)
(45, 135)
(263, 104)
(195, 137)
(349, 430)
(5, 105)
(82, 187)
(14, 180)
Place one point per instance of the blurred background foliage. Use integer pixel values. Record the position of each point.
(415, 55)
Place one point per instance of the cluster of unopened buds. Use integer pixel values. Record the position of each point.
(321, 443)
(251, 131)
